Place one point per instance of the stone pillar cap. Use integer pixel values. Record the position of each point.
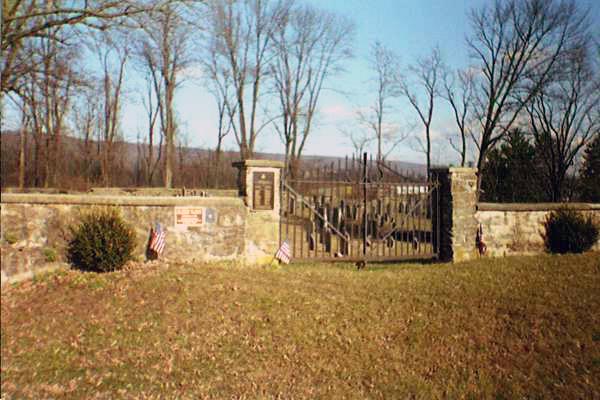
(258, 163)
(463, 169)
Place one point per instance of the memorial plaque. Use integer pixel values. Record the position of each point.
(188, 216)
(263, 190)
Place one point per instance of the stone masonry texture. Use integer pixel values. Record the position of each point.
(518, 229)
(35, 229)
(457, 195)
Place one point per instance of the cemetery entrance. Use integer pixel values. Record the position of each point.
(359, 210)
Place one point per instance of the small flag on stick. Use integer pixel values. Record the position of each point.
(158, 239)
(284, 253)
(481, 246)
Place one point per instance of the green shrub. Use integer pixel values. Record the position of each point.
(567, 231)
(102, 242)
(50, 254)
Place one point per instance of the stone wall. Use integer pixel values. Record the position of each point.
(518, 229)
(508, 229)
(35, 229)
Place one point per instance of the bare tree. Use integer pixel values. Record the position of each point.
(31, 31)
(242, 31)
(386, 66)
(31, 106)
(183, 144)
(24, 126)
(113, 55)
(219, 82)
(224, 127)
(87, 118)
(23, 147)
(165, 53)
(516, 43)
(57, 96)
(459, 93)
(151, 105)
(309, 46)
(424, 76)
(47, 99)
(24, 21)
(224, 122)
(563, 116)
(359, 140)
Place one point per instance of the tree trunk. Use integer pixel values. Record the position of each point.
(428, 152)
(47, 164)
(463, 153)
(22, 149)
(217, 176)
(36, 163)
(170, 148)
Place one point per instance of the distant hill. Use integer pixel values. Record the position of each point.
(10, 140)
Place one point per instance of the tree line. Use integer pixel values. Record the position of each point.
(517, 171)
(532, 80)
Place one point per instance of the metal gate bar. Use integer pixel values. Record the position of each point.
(359, 212)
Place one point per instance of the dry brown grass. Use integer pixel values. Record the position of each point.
(504, 328)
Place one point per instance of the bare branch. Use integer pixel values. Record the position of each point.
(426, 76)
(308, 47)
(515, 44)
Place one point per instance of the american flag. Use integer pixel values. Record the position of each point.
(158, 239)
(481, 246)
(284, 254)
(479, 235)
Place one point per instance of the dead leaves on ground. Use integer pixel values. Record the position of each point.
(156, 330)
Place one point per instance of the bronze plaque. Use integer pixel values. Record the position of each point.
(263, 190)
(188, 216)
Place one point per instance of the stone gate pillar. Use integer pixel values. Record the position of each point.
(457, 229)
(259, 183)
(259, 186)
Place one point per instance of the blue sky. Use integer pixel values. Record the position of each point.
(411, 28)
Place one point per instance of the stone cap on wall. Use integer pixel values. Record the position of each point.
(536, 206)
(37, 198)
(259, 163)
(454, 169)
(129, 191)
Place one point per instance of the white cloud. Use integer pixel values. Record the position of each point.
(193, 72)
(337, 112)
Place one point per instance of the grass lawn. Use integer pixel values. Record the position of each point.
(497, 328)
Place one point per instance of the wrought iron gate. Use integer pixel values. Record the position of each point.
(359, 211)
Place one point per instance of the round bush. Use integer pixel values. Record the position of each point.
(102, 242)
(567, 231)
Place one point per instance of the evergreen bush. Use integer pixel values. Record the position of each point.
(102, 242)
(567, 231)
